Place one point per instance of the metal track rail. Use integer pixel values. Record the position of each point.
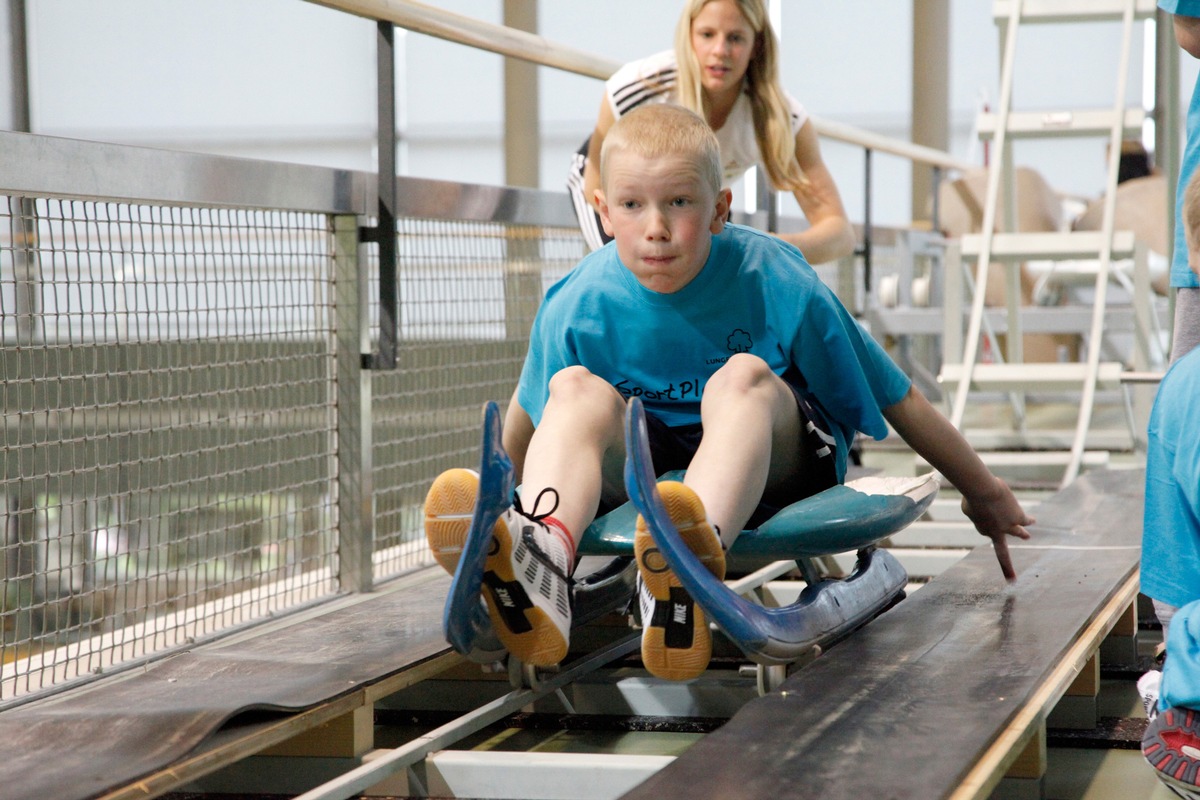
(403, 757)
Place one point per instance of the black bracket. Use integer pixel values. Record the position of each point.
(383, 235)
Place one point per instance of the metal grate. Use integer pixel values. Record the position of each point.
(168, 438)
(468, 294)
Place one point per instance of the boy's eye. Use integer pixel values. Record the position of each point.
(681, 201)
(629, 204)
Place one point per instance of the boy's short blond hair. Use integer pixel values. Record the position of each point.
(1191, 220)
(663, 129)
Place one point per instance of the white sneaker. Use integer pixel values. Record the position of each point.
(526, 586)
(645, 602)
(1148, 687)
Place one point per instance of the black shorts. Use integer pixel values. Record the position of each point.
(672, 448)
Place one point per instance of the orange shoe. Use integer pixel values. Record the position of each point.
(448, 509)
(676, 641)
(525, 577)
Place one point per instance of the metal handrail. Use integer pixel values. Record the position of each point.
(32, 165)
(514, 43)
(460, 29)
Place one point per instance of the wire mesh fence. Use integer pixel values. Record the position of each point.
(172, 439)
(168, 441)
(468, 294)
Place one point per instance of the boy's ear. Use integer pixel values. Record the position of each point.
(721, 211)
(602, 207)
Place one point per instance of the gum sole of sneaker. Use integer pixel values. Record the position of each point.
(525, 630)
(448, 509)
(676, 644)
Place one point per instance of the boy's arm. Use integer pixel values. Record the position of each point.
(987, 500)
(518, 430)
(1187, 34)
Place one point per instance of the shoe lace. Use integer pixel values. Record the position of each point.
(537, 501)
(527, 530)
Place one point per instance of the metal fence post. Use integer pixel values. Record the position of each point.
(355, 482)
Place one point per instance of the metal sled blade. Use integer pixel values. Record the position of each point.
(824, 612)
(465, 619)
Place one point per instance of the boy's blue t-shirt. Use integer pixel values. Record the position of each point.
(1181, 275)
(1171, 526)
(756, 294)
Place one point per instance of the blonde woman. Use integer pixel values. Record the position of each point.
(725, 67)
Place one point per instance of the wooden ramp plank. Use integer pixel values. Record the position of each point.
(936, 697)
(144, 727)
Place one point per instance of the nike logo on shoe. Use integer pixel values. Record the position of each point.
(505, 598)
(511, 602)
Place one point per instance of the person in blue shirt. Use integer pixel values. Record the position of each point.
(1170, 569)
(753, 375)
(1170, 566)
(1186, 329)
(1167, 587)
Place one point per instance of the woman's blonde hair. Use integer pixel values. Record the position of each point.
(772, 116)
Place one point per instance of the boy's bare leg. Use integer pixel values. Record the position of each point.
(751, 428)
(578, 449)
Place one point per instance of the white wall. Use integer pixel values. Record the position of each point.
(6, 85)
(269, 78)
(289, 80)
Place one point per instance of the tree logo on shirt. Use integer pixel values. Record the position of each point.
(739, 341)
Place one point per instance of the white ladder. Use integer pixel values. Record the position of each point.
(1011, 249)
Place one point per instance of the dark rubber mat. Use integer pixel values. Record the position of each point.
(85, 742)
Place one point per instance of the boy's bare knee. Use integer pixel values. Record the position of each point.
(573, 380)
(577, 385)
(742, 373)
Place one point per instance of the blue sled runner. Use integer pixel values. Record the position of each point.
(850, 517)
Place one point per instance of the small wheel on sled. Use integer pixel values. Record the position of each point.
(522, 675)
(770, 677)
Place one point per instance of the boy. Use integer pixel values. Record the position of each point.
(753, 375)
